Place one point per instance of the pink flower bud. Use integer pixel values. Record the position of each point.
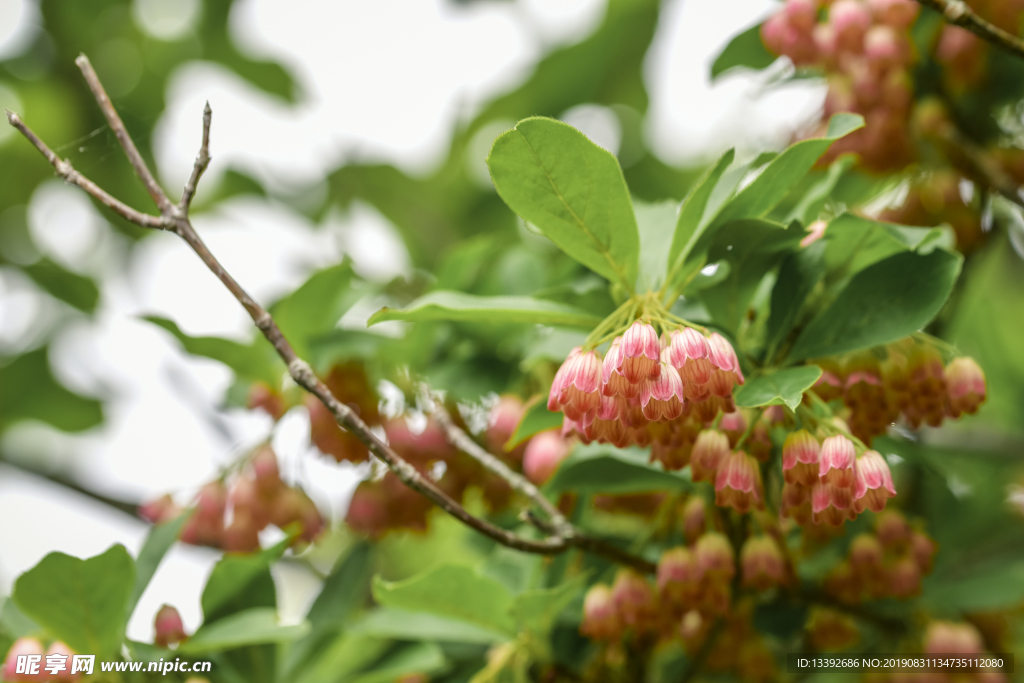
(709, 449)
(633, 599)
(576, 386)
(600, 620)
(904, 578)
(738, 483)
(800, 453)
(815, 231)
(264, 464)
(685, 345)
(544, 453)
(965, 383)
(892, 529)
(694, 518)
(504, 418)
(885, 48)
(923, 551)
(945, 637)
(762, 562)
(896, 13)
(678, 575)
(873, 483)
(61, 648)
(30, 647)
(796, 502)
(212, 500)
(774, 33)
(801, 14)
(836, 461)
(662, 397)
(714, 555)
(245, 499)
(849, 19)
(615, 384)
(160, 510)
(831, 504)
(690, 626)
(241, 535)
(169, 627)
(825, 40)
(641, 353)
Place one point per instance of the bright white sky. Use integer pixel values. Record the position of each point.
(384, 80)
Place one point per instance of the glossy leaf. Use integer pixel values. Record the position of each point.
(537, 610)
(459, 306)
(744, 50)
(537, 418)
(257, 626)
(798, 275)
(160, 539)
(882, 303)
(315, 308)
(28, 391)
(341, 658)
(598, 468)
(418, 658)
(776, 388)
(573, 191)
(82, 602)
(253, 361)
(401, 624)
(240, 582)
(656, 223)
(453, 591)
(855, 242)
(71, 288)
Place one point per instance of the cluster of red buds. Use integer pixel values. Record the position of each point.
(231, 519)
(645, 389)
(888, 563)
(58, 653)
(908, 380)
(865, 48)
(829, 482)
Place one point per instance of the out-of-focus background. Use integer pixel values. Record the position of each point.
(338, 127)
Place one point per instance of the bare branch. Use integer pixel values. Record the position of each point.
(69, 174)
(132, 152)
(518, 482)
(957, 12)
(202, 161)
(595, 546)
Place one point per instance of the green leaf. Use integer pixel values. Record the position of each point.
(601, 468)
(255, 361)
(160, 539)
(554, 177)
(458, 306)
(315, 308)
(698, 209)
(656, 223)
(345, 655)
(882, 303)
(744, 50)
(82, 602)
(855, 242)
(536, 419)
(776, 388)
(399, 624)
(239, 582)
(256, 626)
(14, 622)
(453, 591)
(537, 610)
(751, 248)
(28, 391)
(798, 275)
(785, 171)
(418, 658)
(810, 205)
(71, 288)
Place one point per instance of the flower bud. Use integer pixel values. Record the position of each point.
(575, 389)
(690, 626)
(633, 599)
(923, 551)
(709, 449)
(965, 384)
(246, 500)
(685, 345)
(836, 461)
(727, 365)
(241, 535)
(738, 483)
(544, 453)
(865, 551)
(22, 647)
(693, 518)
(850, 19)
(61, 648)
(796, 502)
(261, 396)
(169, 627)
(762, 562)
(944, 637)
(800, 453)
(504, 418)
(641, 353)
(896, 13)
(885, 48)
(714, 555)
(310, 518)
(678, 575)
(264, 465)
(831, 504)
(600, 620)
(892, 529)
(329, 438)
(662, 397)
(904, 578)
(829, 630)
(160, 510)
(873, 483)
(212, 500)
(615, 384)
(801, 14)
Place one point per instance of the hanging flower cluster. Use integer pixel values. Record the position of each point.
(907, 379)
(646, 388)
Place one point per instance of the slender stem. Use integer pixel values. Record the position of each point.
(202, 161)
(596, 546)
(518, 482)
(957, 12)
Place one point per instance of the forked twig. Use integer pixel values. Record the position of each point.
(959, 13)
